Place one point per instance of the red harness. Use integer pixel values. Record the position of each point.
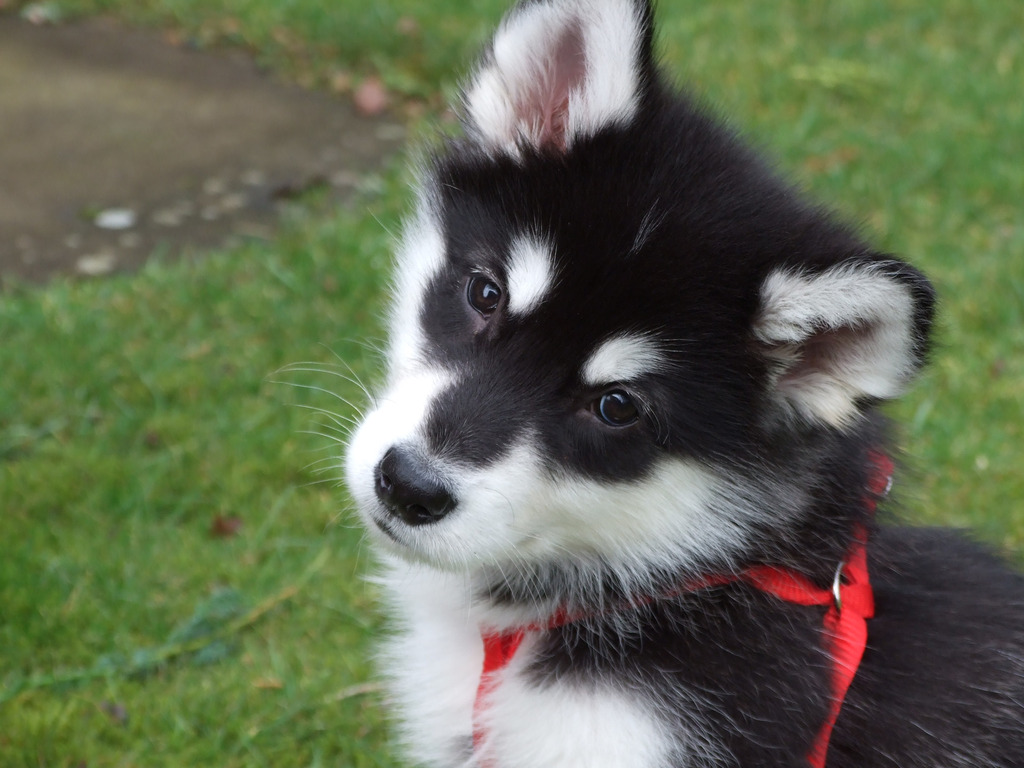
(850, 603)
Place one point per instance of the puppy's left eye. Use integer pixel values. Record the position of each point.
(616, 409)
(483, 295)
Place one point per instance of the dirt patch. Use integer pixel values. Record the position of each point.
(116, 143)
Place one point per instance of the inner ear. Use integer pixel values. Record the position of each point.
(546, 110)
(838, 339)
(823, 350)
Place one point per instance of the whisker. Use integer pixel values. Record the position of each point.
(341, 421)
(314, 464)
(318, 481)
(351, 377)
(326, 436)
(323, 390)
(392, 235)
(376, 346)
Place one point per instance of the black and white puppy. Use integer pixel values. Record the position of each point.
(631, 391)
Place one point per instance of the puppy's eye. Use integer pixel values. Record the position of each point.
(483, 294)
(616, 409)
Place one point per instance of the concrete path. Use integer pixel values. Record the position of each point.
(114, 143)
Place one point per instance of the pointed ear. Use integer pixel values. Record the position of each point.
(558, 70)
(840, 338)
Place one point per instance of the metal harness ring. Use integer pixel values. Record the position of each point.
(837, 584)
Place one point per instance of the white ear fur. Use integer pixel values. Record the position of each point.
(837, 337)
(557, 70)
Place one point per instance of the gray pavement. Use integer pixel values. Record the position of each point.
(114, 143)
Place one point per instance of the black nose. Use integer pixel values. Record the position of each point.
(409, 490)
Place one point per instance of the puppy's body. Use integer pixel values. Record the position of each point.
(731, 678)
(628, 365)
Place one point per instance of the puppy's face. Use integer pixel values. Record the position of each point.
(544, 397)
(603, 309)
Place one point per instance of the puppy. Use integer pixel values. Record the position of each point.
(625, 468)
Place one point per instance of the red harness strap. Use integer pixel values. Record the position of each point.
(850, 601)
(498, 652)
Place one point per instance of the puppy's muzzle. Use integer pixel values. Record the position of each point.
(409, 490)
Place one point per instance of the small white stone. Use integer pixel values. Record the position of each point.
(41, 13)
(115, 218)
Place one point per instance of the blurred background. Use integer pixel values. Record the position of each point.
(198, 200)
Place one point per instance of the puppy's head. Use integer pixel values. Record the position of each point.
(608, 316)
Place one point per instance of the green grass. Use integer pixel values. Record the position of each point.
(134, 413)
(137, 411)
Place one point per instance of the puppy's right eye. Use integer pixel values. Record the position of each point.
(483, 295)
(616, 409)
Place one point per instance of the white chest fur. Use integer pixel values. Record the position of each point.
(434, 663)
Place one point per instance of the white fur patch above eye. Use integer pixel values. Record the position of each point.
(530, 274)
(622, 358)
(838, 336)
